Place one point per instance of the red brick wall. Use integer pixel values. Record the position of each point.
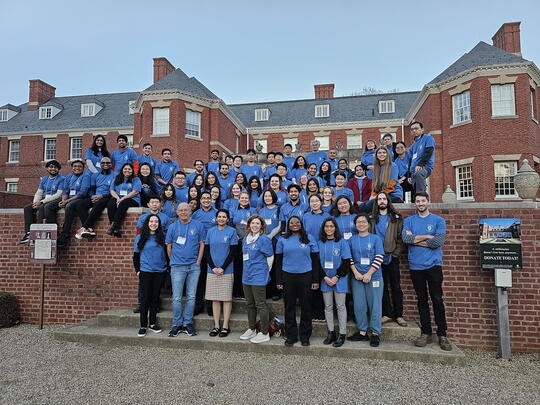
(14, 200)
(84, 284)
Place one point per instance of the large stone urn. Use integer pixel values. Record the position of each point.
(526, 181)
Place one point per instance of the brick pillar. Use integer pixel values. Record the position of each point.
(39, 93)
(162, 67)
(324, 90)
(508, 39)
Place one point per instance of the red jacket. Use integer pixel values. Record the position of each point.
(366, 189)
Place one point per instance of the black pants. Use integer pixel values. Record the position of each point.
(45, 212)
(70, 214)
(88, 219)
(200, 302)
(317, 305)
(238, 263)
(151, 288)
(392, 300)
(271, 289)
(430, 279)
(117, 213)
(297, 287)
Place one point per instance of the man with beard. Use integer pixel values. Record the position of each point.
(294, 207)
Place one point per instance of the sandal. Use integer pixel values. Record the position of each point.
(224, 332)
(214, 332)
(400, 321)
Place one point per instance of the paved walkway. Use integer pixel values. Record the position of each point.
(36, 369)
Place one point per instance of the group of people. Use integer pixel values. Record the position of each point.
(308, 229)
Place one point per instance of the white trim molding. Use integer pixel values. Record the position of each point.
(194, 107)
(218, 143)
(502, 79)
(461, 162)
(504, 158)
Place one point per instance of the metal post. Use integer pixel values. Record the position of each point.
(42, 296)
(503, 324)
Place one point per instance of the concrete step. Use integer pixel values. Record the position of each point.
(125, 318)
(239, 305)
(89, 332)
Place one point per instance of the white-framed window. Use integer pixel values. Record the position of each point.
(324, 142)
(461, 107)
(14, 148)
(131, 106)
(354, 142)
(3, 115)
(50, 149)
(160, 121)
(45, 113)
(464, 182)
(322, 110)
(504, 179)
(130, 141)
(291, 141)
(534, 110)
(502, 100)
(262, 114)
(263, 143)
(88, 110)
(193, 124)
(12, 187)
(387, 106)
(75, 148)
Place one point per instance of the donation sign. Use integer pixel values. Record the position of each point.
(43, 243)
(500, 243)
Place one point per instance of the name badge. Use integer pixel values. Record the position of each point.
(243, 222)
(72, 192)
(414, 156)
(98, 165)
(347, 235)
(364, 261)
(123, 192)
(181, 240)
(245, 256)
(375, 284)
(328, 264)
(48, 195)
(268, 221)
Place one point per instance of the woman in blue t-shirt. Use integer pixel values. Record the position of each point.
(367, 283)
(124, 194)
(299, 168)
(149, 185)
(168, 202)
(297, 272)
(368, 156)
(335, 255)
(342, 211)
(219, 254)
(150, 262)
(327, 199)
(254, 190)
(95, 153)
(256, 254)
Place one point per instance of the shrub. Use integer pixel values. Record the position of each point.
(9, 310)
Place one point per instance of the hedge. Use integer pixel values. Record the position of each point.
(9, 310)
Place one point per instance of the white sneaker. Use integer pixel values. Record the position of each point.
(79, 233)
(248, 334)
(260, 338)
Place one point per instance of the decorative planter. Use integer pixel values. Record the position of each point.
(449, 197)
(526, 181)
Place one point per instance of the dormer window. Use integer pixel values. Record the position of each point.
(88, 110)
(45, 113)
(131, 106)
(3, 115)
(322, 111)
(387, 106)
(262, 114)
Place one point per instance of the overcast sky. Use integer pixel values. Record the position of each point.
(247, 51)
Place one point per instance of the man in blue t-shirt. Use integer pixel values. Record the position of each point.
(425, 234)
(422, 156)
(213, 163)
(146, 157)
(185, 247)
(316, 156)
(166, 169)
(123, 154)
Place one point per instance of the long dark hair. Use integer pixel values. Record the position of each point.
(208, 185)
(149, 180)
(164, 198)
(250, 190)
(295, 165)
(217, 203)
(313, 180)
(244, 183)
(226, 212)
(195, 178)
(335, 212)
(392, 213)
(337, 232)
(326, 175)
(281, 188)
(145, 233)
(304, 238)
(120, 176)
(95, 148)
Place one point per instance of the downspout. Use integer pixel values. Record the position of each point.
(402, 130)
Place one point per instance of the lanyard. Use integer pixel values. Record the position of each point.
(347, 228)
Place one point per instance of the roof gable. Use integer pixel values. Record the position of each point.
(178, 80)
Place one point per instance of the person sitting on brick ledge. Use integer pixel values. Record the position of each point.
(422, 157)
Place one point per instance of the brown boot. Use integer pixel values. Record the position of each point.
(386, 319)
(423, 340)
(444, 343)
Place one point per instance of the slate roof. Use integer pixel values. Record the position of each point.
(115, 114)
(481, 55)
(178, 80)
(342, 109)
(10, 107)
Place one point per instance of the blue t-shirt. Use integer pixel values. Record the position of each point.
(296, 255)
(363, 251)
(331, 254)
(347, 192)
(120, 158)
(181, 194)
(95, 159)
(166, 170)
(50, 185)
(402, 165)
(191, 176)
(288, 210)
(268, 171)
(316, 157)
(220, 242)
(213, 167)
(169, 208)
(76, 185)
(398, 191)
(289, 162)
(101, 183)
(422, 258)
(346, 226)
(255, 200)
(418, 148)
(225, 184)
(297, 173)
(125, 188)
(256, 271)
(231, 205)
(334, 164)
(380, 231)
(185, 240)
(312, 223)
(164, 218)
(241, 215)
(282, 198)
(271, 217)
(206, 218)
(153, 256)
(249, 171)
(367, 159)
(149, 160)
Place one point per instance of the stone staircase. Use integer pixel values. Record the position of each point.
(119, 327)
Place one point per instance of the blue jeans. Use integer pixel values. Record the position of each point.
(419, 179)
(366, 295)
(180, 274)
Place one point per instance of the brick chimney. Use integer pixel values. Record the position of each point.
(40, 92)
(508, 38)
(324, 90)
(162, 67)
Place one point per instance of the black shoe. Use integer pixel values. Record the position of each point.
(142, 332)
(358, 337)
(137, 310)
(339, 341)
(374, 341)
(209, 311)
(25, 238)
(290, 342)
(154, 328)
(305, 342)
(276, 297)
(111, 229)
(214, 332)
(117, 234)
(175, 331)
(62, 241)
(330, 338)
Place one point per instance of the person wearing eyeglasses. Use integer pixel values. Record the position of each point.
(422, 155)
